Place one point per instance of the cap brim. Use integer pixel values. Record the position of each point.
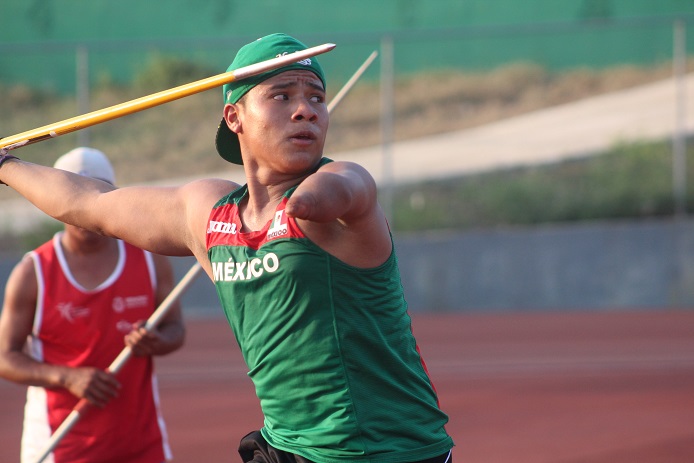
(227, 143)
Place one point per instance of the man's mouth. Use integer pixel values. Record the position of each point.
(304, 135)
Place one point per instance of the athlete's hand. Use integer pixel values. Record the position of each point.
(141, 341)
(97, 386)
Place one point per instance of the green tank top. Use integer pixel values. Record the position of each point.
(329, 346)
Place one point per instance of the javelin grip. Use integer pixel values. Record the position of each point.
(96, 117)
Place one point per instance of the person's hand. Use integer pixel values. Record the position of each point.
(97, 386)
(141, 341)
(5, 156)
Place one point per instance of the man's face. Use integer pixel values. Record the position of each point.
(282, 122)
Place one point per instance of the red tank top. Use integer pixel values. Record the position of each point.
(78, 327)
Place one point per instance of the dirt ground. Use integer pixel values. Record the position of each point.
(573, 387)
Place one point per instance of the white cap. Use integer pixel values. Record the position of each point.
(89, 162)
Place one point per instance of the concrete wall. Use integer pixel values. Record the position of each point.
(593, 266)
(601, 266)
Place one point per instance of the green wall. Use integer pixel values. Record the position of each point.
(39, 37)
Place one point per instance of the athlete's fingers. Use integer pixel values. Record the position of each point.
(140, 340)
(97, 386)
(103, 388)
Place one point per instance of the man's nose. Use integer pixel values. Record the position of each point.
(305, 110)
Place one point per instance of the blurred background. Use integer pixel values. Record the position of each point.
(528, 157)
(532, 157)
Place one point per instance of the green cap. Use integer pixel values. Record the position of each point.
(263, 49)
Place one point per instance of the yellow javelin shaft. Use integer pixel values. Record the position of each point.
(96, 117)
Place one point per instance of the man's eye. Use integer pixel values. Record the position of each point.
(317, 99)
(280, 97)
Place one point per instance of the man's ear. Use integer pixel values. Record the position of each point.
(231, 116)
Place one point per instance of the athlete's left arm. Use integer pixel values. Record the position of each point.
(337, 209)
(342, 191)
(169, 334)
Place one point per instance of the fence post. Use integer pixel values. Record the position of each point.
(679, 142)
(387, 121)
(82, 82)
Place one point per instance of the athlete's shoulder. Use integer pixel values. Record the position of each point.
(342, 167)
(45, 252)
(205, 193)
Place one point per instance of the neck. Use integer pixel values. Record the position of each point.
(91, 258)
(82, 242)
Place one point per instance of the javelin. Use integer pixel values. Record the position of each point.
(96, 117)
(352, 80)
(167, 303)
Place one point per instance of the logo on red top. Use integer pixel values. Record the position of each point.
(69, 312)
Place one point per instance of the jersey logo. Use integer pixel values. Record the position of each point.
(120, 304)
(222, 227)
(278, 227)
(70, 312)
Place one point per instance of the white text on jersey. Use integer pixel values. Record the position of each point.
(254, 268)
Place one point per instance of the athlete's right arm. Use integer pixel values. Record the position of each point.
(16, 322)
(165, 220)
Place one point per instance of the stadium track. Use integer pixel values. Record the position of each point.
(559, 387)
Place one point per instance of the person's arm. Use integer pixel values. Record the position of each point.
(338, 210)
(165, 220)
(169, 334)
(16, 321)
(337, 191)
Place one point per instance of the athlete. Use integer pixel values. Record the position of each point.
(304, 266)
(70, 308)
